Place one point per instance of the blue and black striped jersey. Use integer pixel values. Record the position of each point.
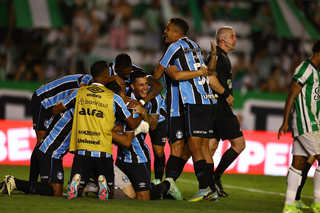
(57, 138)
(58, 89)
(186, 55)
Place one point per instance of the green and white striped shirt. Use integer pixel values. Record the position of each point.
(305, 113)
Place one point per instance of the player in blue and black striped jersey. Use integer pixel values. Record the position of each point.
(123, 67)
(158, 129)
(195, 95)
(42, 102)
(134, 160)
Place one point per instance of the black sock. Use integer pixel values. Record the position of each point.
(182, 163)
(210, 176)
(303, 180)
(172, 167)
(228, 157)
(201, 173)
(159, 189)
(34, 167)
(36, 188)
(159, 164)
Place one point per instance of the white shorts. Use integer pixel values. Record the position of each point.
(120, 179)
(307, 144)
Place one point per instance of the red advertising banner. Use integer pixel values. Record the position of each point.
(264, 153)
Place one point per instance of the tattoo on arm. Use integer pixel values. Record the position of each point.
(152, 120)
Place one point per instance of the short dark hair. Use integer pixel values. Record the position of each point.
(98, 68)
(114, 86)
(181, 24)
(316, 47)
(137, 74)
(123, 60)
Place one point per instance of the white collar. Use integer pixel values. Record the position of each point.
(98, 84)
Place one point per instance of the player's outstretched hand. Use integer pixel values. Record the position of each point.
(213, 48)
(283, 129)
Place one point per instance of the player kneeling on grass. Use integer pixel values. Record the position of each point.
(134, 160)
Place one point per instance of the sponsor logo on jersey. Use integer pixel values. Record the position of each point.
(142, 185)
(179, 134)
(60, 175)
(86, 132)
(94, 112)
(200, 132)
(97, 103)
(208, 96)
(88, 141)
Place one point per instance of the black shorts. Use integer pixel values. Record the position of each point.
(176, 129)
(159, 135)
(138, 173)
(86, 165)
(40, 115)
(199, 120)
(51, 169)
(226, 125)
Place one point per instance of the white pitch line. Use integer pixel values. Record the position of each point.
(241, 188)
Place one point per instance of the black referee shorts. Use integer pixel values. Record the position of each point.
(226, 124)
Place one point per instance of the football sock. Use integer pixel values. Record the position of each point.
(228, 157)
(316, 180)
(159, 189)
(172, 167)
(159, 164)
(210, 176)
(34, 167)
(201, 174)
(36, 188)
(303, 180)
(293, 181)
(182, 163)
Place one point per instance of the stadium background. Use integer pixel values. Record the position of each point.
(43, 39)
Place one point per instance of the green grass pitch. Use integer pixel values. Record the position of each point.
(247, 193)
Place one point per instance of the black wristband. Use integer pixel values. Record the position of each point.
(225, 94)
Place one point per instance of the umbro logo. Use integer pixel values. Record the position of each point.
(95, 89)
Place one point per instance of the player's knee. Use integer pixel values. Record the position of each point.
(158, 152)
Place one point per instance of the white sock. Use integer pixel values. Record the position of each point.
(316, 192)
(293, 181)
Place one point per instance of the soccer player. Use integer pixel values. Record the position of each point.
(158, 126)
(134, 161)
(228, 126)
(303, 100)
(122, 66)
(195, 96)
(95, 110)
(48, 156)
(42, 102)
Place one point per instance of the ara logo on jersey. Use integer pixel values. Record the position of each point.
(94, 112)
(317, 96)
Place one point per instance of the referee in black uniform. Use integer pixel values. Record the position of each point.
(227, 125)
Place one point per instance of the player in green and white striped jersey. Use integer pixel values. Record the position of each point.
(304, 101)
